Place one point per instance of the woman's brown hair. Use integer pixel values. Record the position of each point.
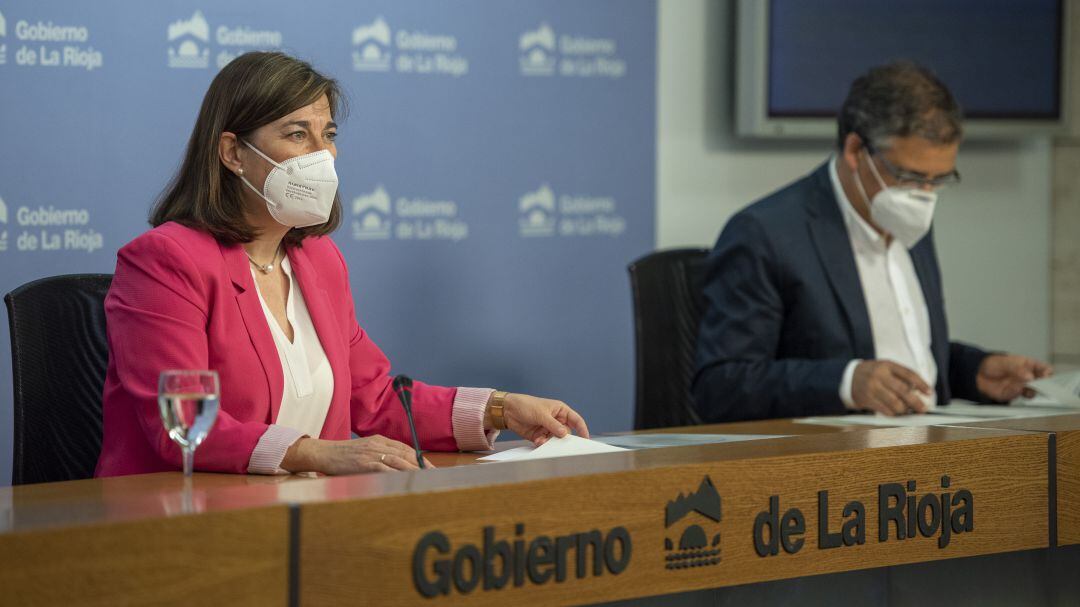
(253, 90)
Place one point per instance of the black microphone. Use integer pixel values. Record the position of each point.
(403, 389)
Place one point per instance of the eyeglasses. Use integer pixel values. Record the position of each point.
(912, 179)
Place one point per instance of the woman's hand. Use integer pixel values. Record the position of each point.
(538, 419)
(367, 454)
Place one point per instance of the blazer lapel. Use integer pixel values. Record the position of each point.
(833, 246)
(322, 318)
(251, 310)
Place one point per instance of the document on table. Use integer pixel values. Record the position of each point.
(664, 439)
(916, 420)
(956, 412)
(554, 447)
(969, 409)
(575, 445)
(1056, 391)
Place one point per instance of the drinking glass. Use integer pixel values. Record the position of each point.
(188, 401)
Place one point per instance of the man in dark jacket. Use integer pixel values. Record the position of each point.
(826, 296)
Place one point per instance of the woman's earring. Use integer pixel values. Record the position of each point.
(240, 171)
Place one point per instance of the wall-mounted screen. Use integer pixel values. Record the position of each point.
(1003, 59)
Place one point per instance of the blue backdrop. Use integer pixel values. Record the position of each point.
(500, 155)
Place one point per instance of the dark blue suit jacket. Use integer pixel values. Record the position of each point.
(785, 313)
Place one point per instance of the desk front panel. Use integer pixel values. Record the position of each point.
(655, 522)
(223, 558)
(1066, 429)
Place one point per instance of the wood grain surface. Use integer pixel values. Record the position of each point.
(237, 557)
(359, 548)
(1066, 429)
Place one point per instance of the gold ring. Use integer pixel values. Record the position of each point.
(382, 460)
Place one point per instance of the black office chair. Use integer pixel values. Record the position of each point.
(59, 354)
(668, 302)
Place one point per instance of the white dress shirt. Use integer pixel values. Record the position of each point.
(899, 319)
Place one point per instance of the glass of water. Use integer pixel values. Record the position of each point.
(188, 401)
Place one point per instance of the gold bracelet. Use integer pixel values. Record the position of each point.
(497, 419)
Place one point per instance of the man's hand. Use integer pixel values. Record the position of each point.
(1003, 377)
(888, 388)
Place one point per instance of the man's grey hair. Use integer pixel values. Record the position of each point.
(900, 99)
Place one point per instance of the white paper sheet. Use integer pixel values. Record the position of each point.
(956, 412)
(909, 421)
(988, 412)
(1058, 391)
(664, 439)
(555, 447)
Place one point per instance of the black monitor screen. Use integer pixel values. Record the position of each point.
(1001, 58)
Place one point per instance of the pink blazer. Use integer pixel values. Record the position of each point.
(181, 300)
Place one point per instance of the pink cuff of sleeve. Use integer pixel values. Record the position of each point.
(468, 420)
(271, 448)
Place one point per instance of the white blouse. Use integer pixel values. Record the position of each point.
(309, 381)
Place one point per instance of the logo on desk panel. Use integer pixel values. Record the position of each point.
(494, 560)
(184, 36)
(692, 536)
(903, 512)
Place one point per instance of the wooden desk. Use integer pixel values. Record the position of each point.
(392, 539)
(227, 539)
(222, 540)
(1066, 431)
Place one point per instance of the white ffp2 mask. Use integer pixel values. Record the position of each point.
(905, 213)
(300, 191)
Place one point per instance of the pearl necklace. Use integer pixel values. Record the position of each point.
(265, 269)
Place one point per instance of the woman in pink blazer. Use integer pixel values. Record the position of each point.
(239, 275)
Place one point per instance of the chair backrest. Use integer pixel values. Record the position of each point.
(59, 355)
(668, 301)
